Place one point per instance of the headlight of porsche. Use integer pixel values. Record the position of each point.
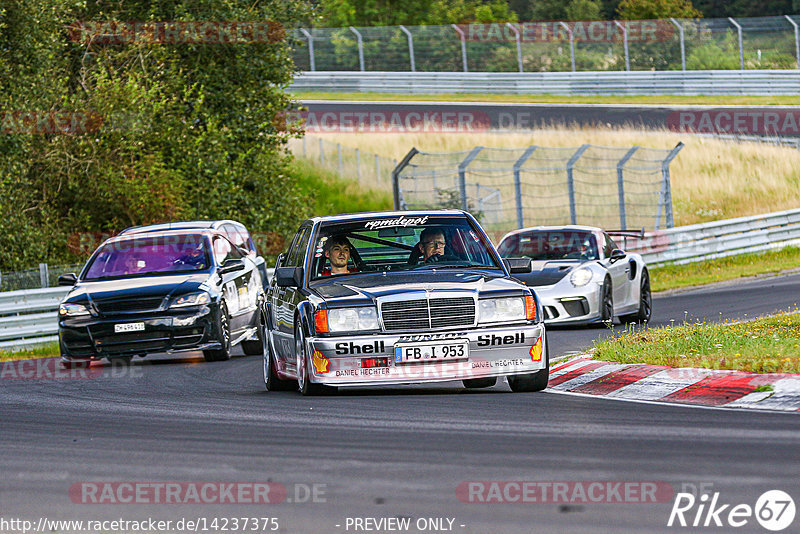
(72, 310)
(346, 319)
(580, 277)
(192, 299)
(502, 310)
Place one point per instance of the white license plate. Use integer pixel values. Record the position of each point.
(428, 352)
(128, 327)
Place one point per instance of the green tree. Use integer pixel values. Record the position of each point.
(360, 13)
(657, 9)
(584, 10)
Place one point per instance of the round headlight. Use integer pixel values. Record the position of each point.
(580, 277)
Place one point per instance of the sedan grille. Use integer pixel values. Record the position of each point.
(427, 314)
(114, 307)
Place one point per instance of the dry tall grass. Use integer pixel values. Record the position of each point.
(711, 178)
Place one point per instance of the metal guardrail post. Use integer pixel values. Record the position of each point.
(44, 275)
(360, 48)
(683, 42)
(462, 176)
(796, 39)
(741, 49)
(310, 49)
(571, 43)
(518, 184)
(625, 43)
(519, 45)
(573, 214)
(463, 46)
(621, 185)
(667, 188)
(410, 47)
(396, 177)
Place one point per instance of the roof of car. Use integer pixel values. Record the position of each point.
(383, 214)
(177, 225)
(166, 232)
(572, 227)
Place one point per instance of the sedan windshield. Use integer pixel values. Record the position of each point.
(141, 256)
(550, 245)
(399, 244)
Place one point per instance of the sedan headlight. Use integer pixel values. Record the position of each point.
(192, 299)
(72, 310)
(501, 310)
(347, 319)
(581, 277)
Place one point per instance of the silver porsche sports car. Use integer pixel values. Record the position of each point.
(581, 275)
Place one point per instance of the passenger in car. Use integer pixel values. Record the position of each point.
(337, 250)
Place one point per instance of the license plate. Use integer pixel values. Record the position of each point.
(428, 352)
(128, 327)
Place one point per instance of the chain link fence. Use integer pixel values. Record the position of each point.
(43, 276)
(664, 44)
(514, 188)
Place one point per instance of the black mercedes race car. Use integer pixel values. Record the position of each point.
(170, 291)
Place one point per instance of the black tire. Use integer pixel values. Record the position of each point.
(224, 329)
(645, 310)
(258, 345)
(304, 385)
(606, 305)
(532, 381)
(475, 383)
(271, 380)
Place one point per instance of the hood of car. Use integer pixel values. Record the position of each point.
(140, 287)
(374, 286)
(549, 272)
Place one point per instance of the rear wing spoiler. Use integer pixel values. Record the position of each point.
(636, 234)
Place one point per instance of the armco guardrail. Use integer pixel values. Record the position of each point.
(30, 317)
(698, 82)
(686, 244)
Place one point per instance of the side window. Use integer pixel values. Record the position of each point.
(608, 245)
(299, 244)
(222, 250)
(301, 248)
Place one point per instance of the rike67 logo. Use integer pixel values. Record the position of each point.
(774, 510)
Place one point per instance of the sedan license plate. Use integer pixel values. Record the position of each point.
(428, 352)
(128, 327)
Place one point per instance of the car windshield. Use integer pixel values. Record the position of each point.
(399, 244)
(141, 256)
(550, 245)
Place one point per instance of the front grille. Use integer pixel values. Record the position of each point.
(120, 306)
(427, 314)
(576, 308)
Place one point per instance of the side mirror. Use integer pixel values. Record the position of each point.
(232, 265)
(518, 265)
(289, 276)
(67, 279)
(616, 255)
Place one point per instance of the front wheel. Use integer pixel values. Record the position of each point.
(532, 381)
(642, 315)
(271, 380)
(606, 305)
(224, 329)
(304, 384)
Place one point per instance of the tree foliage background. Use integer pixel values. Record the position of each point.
(188, 130)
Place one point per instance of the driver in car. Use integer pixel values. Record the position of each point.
(431, 242)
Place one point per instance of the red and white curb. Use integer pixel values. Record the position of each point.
(705, 387)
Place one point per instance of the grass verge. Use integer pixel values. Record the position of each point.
(706, 100)
(765, 345)
(722, 269)
(49, 350)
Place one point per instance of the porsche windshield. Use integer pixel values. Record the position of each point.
(399, 244)
(141, 256)
(550, 245)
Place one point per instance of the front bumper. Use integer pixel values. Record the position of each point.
(569, 305)
(495, 351)
(93, 338)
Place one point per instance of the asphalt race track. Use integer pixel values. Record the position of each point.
(401, 452)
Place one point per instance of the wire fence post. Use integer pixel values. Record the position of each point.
(377, 169)
(741, 49)
(358, 165)
(339, 154)
(462, 176)
(796, 39)
(398, 201)
(44, 275)
(310, 49)
(625, 43)
(304, 147)
(463, 46)
(666, 187)
(519, 45)
(360, 47)
(621, 185)
(518, 184)
(410, 47)
(571, 44)
(321, 152)
(573, 214)
(683, 42)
